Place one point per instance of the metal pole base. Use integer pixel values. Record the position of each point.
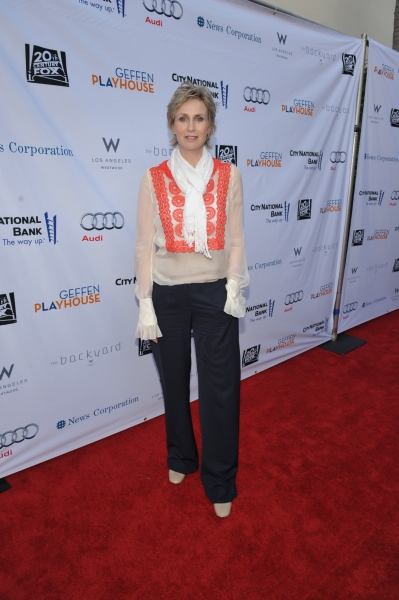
(343, 344)
(4, 485)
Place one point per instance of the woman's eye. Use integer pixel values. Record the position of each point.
(200, 118)
(181, 119)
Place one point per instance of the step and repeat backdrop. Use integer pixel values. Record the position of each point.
(84, 95)
(371, 280)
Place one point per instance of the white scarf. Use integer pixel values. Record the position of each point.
(193, 181)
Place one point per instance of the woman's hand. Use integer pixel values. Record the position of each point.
(156, 341)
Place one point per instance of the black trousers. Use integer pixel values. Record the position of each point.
(199, 307)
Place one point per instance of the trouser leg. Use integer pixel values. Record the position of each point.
(218, 361)
(172, 355)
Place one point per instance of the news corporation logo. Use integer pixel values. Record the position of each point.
(8, 313)
(46, 66)
(71, 298)
(126, 79)
(20, 228)
(97, 412)
(208, 24)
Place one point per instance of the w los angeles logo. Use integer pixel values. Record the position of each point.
(281, 38)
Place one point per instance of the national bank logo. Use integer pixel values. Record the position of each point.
(304, 209)
(357, 237)
(144, 347)
(373, 197)
(21, 227)
(227, 154)
(250, 356)
(261, 311)
(394, 118)
(112, 6)
(222, 89)
(45, 65)
(8, 313)
(313, 158)
(348, 64)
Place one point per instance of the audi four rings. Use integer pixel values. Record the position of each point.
(15, 437)
(99, 221)
(338, 157)
(168, 8)
(349, 307)
(295, 297)
(257, 96)
(395, 195)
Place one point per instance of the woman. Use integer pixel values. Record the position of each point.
(189, 242)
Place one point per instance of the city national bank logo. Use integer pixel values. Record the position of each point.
(277, 212)
(282, 343)
(314, 159)
(385, 71)
(127, 79)
(223, 90)
(325, 289)
(299, 107)
(144, 347)
(394, 118)
(117, 6)
(317, 328)
(260, 311)
(395, 265)
(24, 230)
(167, 8)
(100, 221)
(280, 50)
(250, 356)
(8, 313)
(266, 159)
(251, 37)
(47, 66)
(304, 209)
(357, 237)
(319, 54)
(379, 234)
(7, 386)
(88, 357)
(110, 161)
(373, 197)
(348, 64)
(333, 206)
(227, 154)
(71, 298)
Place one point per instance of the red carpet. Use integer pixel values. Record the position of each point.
(316, 517)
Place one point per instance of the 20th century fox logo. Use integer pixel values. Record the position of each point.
(45, 65)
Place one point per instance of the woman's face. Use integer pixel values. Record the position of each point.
(191, 127)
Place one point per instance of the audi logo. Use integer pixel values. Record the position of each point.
(102, 221)
(349, 307)
(18, 435)
(295, 297)
(168, 8)
(338, 157)
(256, 95)
(395, 195)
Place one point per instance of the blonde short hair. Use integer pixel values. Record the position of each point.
(188, 91)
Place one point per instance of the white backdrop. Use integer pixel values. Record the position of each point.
(84, 94)
(371, 280)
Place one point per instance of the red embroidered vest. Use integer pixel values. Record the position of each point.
(171, 210)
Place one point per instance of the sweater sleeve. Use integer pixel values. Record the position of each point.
(238, 270)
